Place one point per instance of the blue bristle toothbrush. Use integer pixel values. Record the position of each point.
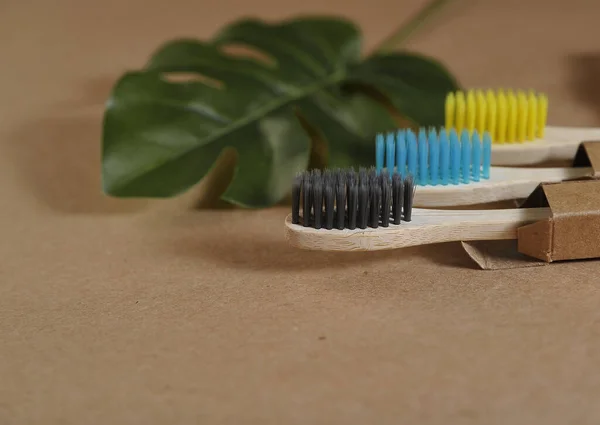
(455, 169)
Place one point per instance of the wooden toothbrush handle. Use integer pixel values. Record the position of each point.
(505, 183)
(577, 135)
(426, 227)
(558, 144)
(563, 141)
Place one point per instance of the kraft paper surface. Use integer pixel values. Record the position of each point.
(154, 312)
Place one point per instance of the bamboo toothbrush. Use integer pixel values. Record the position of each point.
(516, 122)
(454, 170)
(343, 210)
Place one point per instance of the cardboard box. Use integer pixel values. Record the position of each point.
(571, 233)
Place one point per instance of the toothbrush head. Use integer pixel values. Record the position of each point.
(436, 157)
(346, 199)
(508, 116)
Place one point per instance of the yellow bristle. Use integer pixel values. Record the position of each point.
(521, 117)
(450, 110)
(502, 117)
(460, 111)
(512, 117)
(542, 115)
(491, 114)
(471, 111)
(531, 116)
(481, 112)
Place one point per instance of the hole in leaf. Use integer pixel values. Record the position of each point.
(249, 52)
(217, 180)
(319, 151)
(191, 77)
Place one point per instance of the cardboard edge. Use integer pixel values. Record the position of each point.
(588, 155)
(536, 240)
(498, 255)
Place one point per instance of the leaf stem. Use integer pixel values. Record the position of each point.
(402, 33)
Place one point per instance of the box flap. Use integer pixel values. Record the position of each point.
(588, 155)
(499, 255)
(573, 197)
(536, 240)
(537, 199)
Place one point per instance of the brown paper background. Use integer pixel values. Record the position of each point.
(135, 312)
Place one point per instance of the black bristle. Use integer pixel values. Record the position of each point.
(384, 174)
(374, 206)
(329, 197)
(397, 197)
(328, 179)
(344, 198)
(409, 193)
(317, 198)
(386, 201)
(306, 199)
(372, 171)
(352, 211)
(340, 200)
(362, 175)
(363, 205)
(371, 181)
(350, 174)
(296, 189)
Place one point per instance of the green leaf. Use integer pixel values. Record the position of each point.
(162, 136)
(416, 85)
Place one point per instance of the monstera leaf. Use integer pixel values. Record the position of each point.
(162, 136)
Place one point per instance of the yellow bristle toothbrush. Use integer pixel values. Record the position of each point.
(516, 122)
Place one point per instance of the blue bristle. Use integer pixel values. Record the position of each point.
(411, 153)
(465, 146)
(444, 157)
(423, 169)
(390, 154)
(379, 152)
(434, 157)
(487, 155)
(401, 152)
(454, 158)
(476, 151)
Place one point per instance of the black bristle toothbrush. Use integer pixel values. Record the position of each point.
(345, 210)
